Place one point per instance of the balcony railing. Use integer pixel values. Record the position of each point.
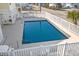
(69, 49)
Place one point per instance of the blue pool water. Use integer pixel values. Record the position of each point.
(40, 31)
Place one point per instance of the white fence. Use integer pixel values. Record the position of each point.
(70, 49)
(33, 14)
(69, 26)
(37, 51)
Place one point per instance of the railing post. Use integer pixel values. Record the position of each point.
(60, 50)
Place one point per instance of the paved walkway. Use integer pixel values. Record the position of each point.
(13, 34)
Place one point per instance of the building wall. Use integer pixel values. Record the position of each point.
(8, 12)
(4, 6)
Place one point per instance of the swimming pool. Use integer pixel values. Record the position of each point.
(40, 31)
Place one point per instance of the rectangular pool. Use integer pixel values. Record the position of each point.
(40, 31)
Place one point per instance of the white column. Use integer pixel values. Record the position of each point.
(1, 35)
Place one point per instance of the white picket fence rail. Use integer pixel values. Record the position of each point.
(37, 51)
(70, 49)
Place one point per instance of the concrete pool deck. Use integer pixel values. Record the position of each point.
(13, 35)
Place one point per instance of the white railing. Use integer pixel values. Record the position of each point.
(37, 51)
(68, 25)
(33, 14)
(69, 49)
